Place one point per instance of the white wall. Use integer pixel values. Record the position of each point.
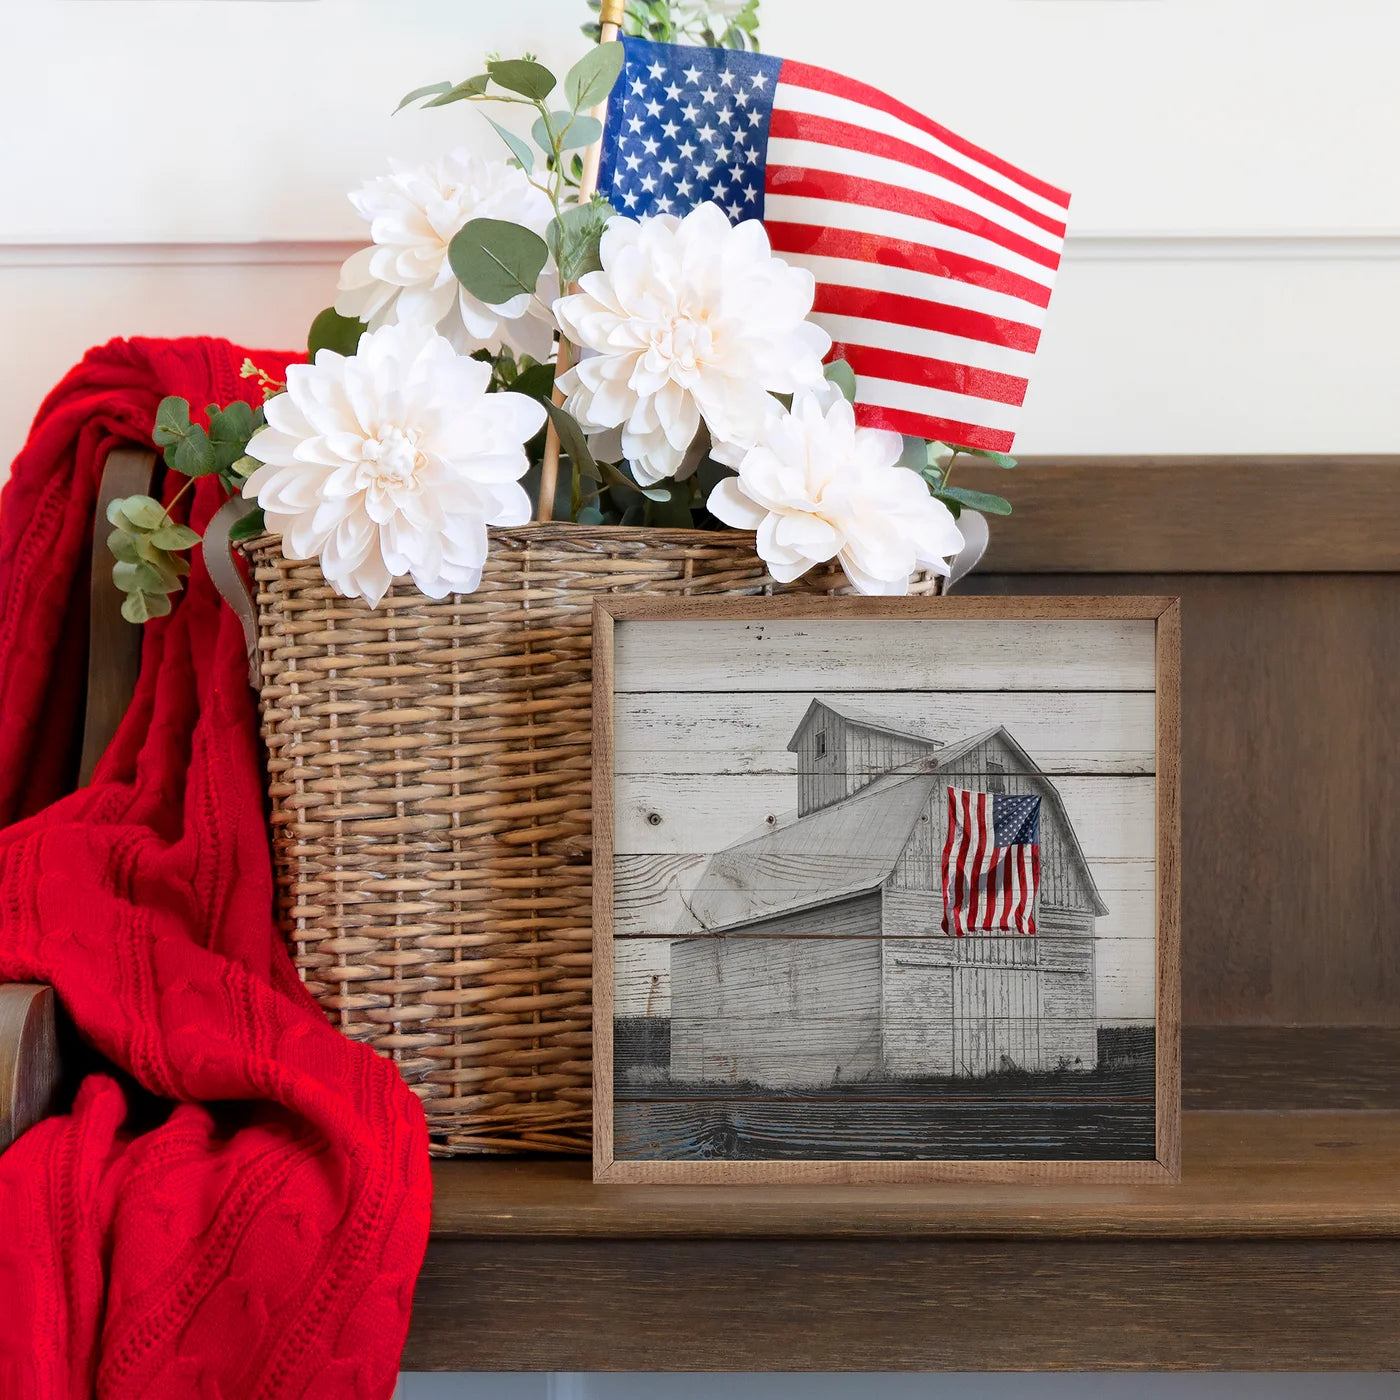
(1231, 283)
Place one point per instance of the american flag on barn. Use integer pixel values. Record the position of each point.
(991, 862)
(934, 259)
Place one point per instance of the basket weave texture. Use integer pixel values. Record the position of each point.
(429, 766)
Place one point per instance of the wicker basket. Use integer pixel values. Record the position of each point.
(430, 785)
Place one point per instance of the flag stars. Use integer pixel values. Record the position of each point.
(688, 138)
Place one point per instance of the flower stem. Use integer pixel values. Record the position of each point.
(189, 481)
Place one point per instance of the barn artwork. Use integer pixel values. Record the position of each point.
(883, 891)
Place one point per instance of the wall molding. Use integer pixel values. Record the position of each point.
(1080, 248)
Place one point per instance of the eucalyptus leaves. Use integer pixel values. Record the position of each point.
(148, 544)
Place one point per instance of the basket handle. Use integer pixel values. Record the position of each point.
(228, 577)
(975, 535)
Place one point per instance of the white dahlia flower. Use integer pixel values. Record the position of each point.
(392, 462)
(689, 319)
(818, 488)
(413, 214)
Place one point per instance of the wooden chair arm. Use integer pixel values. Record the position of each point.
(114, 645)
(30, 1066)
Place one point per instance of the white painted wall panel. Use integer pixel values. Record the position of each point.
(224, 119)
(1231, 279)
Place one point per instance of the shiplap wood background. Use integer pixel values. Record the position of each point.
(703, 713)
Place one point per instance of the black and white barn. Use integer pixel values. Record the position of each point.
(823, 960)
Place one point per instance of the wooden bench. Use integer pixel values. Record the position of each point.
(1280, 1249)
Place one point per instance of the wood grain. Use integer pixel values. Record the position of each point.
(927, 1305)
(1068, 732)
(659, 653)
(1169, 889)
(30, 1070)
(1290, 792)
(1244, 1174)
(1278, 1250)
(604, 819)
(1291, 1067)
(681, 646)
(1090, 515)
(665, 814)
(653, 891)
(114, 645)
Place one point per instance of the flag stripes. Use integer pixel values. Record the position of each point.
(934, 259)
(989, 882)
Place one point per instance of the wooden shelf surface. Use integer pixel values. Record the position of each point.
(1276, 1174)
(1279, 1250)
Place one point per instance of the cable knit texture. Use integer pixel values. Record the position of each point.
(236, 1206)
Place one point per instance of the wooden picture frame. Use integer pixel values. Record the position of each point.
(812, 997)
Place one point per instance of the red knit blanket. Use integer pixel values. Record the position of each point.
(239, 1208)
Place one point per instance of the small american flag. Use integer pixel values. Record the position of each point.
(991, 863)
(934, 259)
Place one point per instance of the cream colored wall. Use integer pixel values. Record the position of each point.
(1231, 282)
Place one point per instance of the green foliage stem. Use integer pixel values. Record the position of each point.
(147, 544)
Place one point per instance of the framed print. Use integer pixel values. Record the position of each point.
(886, 889)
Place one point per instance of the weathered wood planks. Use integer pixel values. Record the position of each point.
(778, 654)
(1069, 733)
(759, 762)
(681, 813)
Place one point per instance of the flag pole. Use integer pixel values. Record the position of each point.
(611, 24)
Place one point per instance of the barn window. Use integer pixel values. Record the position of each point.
(996, 776)
(821, 743)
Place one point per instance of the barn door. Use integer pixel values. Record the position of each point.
(996, 1019)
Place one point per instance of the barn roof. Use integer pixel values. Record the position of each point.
(905, 729)
(833, 853)
(849, 847)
